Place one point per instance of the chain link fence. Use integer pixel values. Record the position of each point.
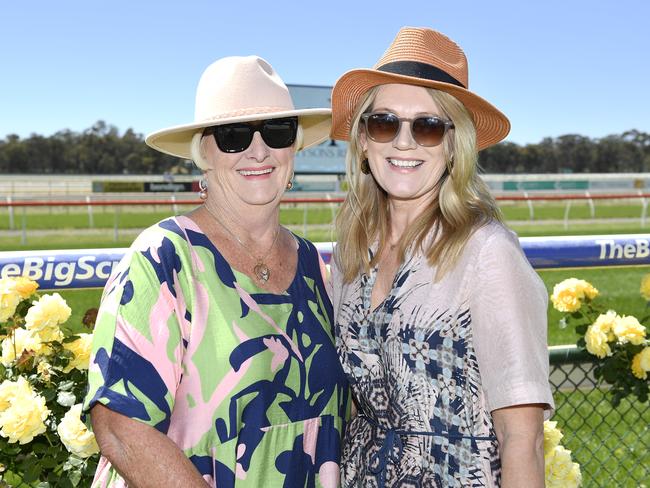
(612, 445)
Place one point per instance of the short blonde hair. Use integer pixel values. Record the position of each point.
(463, 203)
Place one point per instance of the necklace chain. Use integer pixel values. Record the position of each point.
(261, 269)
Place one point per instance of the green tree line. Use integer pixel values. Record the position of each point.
(101, 149)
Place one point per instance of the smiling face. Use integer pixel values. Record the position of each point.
(256, 176)
(408, 173)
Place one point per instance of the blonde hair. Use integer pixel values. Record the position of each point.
(462, 205)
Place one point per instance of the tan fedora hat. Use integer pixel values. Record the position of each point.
(240, 89)
(423, 57)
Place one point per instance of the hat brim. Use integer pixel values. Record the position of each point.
(175, 141)
(491, 125)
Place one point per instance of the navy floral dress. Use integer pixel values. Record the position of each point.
(430, 363)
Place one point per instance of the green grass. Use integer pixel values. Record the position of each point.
(138, 218)
(610, 444)
(579, 210)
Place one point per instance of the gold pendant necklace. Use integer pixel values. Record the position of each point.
(260, 270)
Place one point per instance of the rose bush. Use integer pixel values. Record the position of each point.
(43, 374)
(619, 342)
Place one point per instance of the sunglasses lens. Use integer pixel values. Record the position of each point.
(233, 138)
(382, 127)
(428, 131)
(279, 133)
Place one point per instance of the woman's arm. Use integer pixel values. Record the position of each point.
(143, 456)
(520, 431)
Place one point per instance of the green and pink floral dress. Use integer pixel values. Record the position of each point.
(246, 382)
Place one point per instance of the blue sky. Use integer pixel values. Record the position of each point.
(554, 67)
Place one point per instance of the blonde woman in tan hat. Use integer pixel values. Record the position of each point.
(215, 330)
(440, 320)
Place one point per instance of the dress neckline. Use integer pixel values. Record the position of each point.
(241, 277)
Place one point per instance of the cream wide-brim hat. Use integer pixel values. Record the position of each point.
(240, 89)
(422, 57)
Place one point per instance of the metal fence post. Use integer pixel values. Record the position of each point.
(644, 208)
(23, 235)
(592, 208)
(11, 213)
(531, 209)
(116, 223)
(567, 209)
(91, 222)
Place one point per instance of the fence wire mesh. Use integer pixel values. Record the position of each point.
(612, 445)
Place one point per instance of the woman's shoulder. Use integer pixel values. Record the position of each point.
(492, 235)
(164, 241)
(174, 229)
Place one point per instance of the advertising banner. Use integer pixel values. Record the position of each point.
(90, 268)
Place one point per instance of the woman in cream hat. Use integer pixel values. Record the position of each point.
(440, 320)
(215, 329)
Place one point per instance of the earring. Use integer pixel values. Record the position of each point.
(289, 185)
(203, 189)
(365, 166)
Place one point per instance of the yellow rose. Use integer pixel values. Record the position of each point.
(9, 298)
(645, 287)
(552, 436)
(25, 287)
(81, 349)
(10, 389)
(25, 417)
(45, 315)
(559, 468)
(13, 346)
(599, 333)
(587, 289)
(75, 436)
(628, 329)
(574, 479)
(597, 343)
(640, 364)
(569, 294)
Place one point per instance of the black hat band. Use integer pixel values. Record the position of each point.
(420, 70)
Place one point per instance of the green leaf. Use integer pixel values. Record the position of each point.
(610, 373)
(39, 447)
(581, 329)
(49, 394)
(75, 461)
(65, 385)
(74, 477)
(49, 462)
(32, 473)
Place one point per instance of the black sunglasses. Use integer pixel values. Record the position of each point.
(427, 130)
(234, 138)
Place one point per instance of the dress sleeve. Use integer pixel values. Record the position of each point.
(509, 317)
(136, 361)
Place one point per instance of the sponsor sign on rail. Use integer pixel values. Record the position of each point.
(90, 268)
